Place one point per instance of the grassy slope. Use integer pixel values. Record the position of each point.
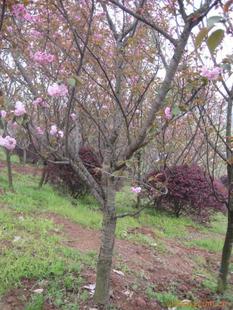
(24, 233)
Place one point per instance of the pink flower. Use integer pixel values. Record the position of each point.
(40, 102)
(8, 142)
(36, 34)
(60, 133)
(168, 113)
(36, 18)
(43, 58)
(37, 101)
(27, 16)
(136, 189)
(211, 74)
(19, 109)
(19, 10)
(57, 90)
(39, 131)
(73, 116)
(53, 130)
(10, 28)
(3, 113)
(14, 125)
(97, 36)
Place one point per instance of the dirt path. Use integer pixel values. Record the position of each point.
(136, 256)
(27, 169)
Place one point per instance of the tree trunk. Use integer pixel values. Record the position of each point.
(24, 156)
(43, 176)
(9, 171)
(227, 248)
(139, 172)
(104, 264)
(226, 255)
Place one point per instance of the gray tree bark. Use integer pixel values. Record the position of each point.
(104, 264)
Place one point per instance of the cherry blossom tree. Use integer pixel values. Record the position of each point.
(93, 67)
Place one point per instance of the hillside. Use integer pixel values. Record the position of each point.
(49, 246)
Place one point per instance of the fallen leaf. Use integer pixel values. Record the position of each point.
(186, 302)
(128, 293)
(38, 291)
(90, 288)
(120, 273)
(16, 238)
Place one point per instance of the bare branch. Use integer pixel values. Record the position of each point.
(145, 21)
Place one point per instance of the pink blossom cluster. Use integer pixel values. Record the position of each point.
(136, 189)
(8, 142)
(39, 130)
(36, 34)
(19, 109)
(14, 125)
(168, 113)
(10, 29)
(20, 12)
(43, 58)
(73, 116)
(211, 74)
(55, 132)
(3, 113)
(56, 90)
(39, 102)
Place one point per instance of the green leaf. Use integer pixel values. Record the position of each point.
(72, 82)
(176, 110)
(215, 39)
(183, 108)
(213, 20)
(201, 36)
(226, 66)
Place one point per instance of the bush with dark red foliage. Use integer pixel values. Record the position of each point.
(190, 191)
(64, 176)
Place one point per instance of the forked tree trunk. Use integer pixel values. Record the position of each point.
(104, 264)
(226, 255)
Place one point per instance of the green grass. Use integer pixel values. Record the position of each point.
(30, 250)
(28, 198)
(212, 245)
(36, 303)
(166, 299)
(218, 224)
(156, 245)
(14, 158)
(30, 247)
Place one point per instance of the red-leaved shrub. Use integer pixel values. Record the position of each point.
(189, 191)
(64, 176)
